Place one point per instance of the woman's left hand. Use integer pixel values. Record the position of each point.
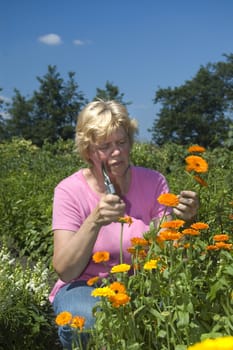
(188, 206)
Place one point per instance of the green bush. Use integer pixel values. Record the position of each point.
(26, 317)
(27, 179)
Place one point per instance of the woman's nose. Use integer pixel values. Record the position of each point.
(115, 149)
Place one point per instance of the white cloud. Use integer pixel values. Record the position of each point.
(78, 42)
(5, 99)
(50, 39)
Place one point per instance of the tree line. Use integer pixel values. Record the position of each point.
(198, 112)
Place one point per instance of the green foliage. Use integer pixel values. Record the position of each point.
(27, 180)
(165, 159)
(26, 317)
(28, 177)
(198, 111)
(111, 92)
(185, 297)
(50, 113)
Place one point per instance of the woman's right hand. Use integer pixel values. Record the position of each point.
(109, 209)
(72, 250)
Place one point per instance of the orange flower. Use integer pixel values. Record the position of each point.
(220, 238)
(191, 232)
(172, 224)
(199, 226)
(140, 242)
(131, 250)
(78, 322)
(200, 180)
(223, 245)
(169, 235)
(168, 199)
(99, 257)
(126, 220)
(64, 318)
(212, 247)
(196, 149)
(92, 280)
(186, 245)
(119, 299)
(137, 252)
(197, 164)
(118, 287)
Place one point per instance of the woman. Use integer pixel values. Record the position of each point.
(85, 217)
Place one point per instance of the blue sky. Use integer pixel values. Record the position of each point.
(138, 45)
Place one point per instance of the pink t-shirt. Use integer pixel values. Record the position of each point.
(74, 200)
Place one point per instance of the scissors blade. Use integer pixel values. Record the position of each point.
(108, 184)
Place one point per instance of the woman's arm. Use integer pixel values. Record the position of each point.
(73, 250)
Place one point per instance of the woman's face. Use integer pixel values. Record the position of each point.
(113, 152)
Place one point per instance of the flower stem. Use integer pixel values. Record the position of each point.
(121, 243)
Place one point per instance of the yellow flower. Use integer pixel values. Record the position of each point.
(172, 224)
(92, 280)
(120, 268)
(118, 287)
(222, 238)
(151, 264)
(102, 292)
(222, 343)
(119, 299)
(199, 226)
(99, 257)
(126, 220)
(168, 199)
(196, 149)
(197, 164)
(78, 322)
(64, 318)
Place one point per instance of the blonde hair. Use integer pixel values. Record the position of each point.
(98, 120)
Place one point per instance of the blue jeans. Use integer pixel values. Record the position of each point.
(76, 298)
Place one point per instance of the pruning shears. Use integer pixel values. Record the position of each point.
(108, 184)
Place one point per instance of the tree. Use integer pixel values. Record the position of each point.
(50, 113)
(111, 92)
(21, 123)
(56, 106)
(199, 111)
(2, 121)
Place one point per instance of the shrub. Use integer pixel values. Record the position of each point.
(26, 317)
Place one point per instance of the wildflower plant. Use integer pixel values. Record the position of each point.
(179, 289)
(76, 324)
(176, 292)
